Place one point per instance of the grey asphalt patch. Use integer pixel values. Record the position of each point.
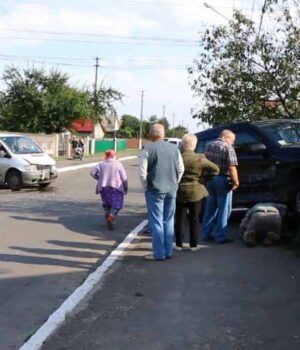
(220, 298)
(58, 317)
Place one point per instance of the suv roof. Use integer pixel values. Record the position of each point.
(255, 123)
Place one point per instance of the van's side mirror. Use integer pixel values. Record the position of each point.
(3, 154)
(257, 147)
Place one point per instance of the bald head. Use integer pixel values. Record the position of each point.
(157, 132)
(227, 136)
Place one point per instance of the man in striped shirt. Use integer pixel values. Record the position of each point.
(218, 204)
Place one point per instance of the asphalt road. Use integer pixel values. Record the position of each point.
(225, 297)
(50, 241)
(220, 298)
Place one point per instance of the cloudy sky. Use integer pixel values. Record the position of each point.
(141, 44)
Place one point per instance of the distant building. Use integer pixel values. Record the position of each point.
(87, 127)
(84, 127)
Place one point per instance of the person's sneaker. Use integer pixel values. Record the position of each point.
(225, 240)
(178, 248)
(150, 257)
(109, 222)
(250, 238)
(194, 249)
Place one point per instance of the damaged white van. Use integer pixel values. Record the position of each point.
(23, 163)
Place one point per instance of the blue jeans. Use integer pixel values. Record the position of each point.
(217, 208)
(161, 210)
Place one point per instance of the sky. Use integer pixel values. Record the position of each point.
(142, 45)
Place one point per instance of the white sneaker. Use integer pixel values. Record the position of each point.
(194, 249)
(176, 247)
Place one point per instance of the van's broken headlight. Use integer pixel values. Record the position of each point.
(30, 167)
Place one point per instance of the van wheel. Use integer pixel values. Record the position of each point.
(14, 180)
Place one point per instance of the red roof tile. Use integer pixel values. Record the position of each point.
(84, 125)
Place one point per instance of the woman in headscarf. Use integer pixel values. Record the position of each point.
(112, 185)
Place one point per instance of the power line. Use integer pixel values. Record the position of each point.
(86, 34)
(216, 11)
(140, 60)
(157, 43)
(189, 4)
(47, 57)
(110, 67)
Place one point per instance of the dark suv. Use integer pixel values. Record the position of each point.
(269, 161)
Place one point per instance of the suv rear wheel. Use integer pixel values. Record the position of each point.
(14, 180)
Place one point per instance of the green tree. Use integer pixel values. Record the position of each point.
(164, 121)
(178, 131)
(240, 75)
(38, 101)
(35, 101)
(130, 127)
(103, 101)
(153, 119)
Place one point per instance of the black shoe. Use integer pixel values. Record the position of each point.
(226, 240)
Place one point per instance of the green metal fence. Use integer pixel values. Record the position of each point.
(105, 144)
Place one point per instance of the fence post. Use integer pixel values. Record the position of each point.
(68, 145)
(56, 145)
(93, 142)
(87, 146)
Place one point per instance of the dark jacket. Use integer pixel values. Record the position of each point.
(190, 187)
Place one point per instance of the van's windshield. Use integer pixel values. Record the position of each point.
(284, 134)
(20, 144)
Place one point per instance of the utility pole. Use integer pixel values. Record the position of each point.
(173, 124)
(164, 111)
(96, 88)
(141, 121)
(263, 10)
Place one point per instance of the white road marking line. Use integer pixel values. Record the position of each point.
(87, 165)
(56, 319)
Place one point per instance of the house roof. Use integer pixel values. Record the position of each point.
(83, 125)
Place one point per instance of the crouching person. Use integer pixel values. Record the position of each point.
(263, 224)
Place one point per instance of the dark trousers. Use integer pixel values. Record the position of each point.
(180, 217)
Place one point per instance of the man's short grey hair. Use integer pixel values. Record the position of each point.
(225, 133)
(157, 130)
(189, 142)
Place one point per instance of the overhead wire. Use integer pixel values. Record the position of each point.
(92, 34)
(98, 41)
(185, 3)
(118, 66)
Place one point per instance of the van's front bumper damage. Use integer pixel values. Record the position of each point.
(39, 177)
